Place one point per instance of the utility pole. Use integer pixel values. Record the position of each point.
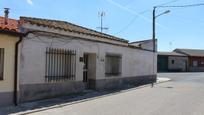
(154, 16)
(153, 29)
(154, 41)
(102, 15)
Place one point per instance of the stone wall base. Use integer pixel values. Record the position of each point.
(119, 82)
(6, 98)
(30, 92)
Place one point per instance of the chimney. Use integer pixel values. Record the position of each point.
(6, 12)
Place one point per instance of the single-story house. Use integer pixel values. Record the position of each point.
(183, 60)
(43, 58)
(195, 59)
(58, 58)
(171, 62)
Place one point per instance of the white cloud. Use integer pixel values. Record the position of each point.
(30, 2)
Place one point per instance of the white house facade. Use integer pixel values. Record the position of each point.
(59, 58)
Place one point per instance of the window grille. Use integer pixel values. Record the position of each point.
(60, 64)
(113, 65)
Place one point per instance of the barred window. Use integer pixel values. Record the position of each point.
(60, 64)
(113, 65)
(1, 63)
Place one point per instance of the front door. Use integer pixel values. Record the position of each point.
(85, 68)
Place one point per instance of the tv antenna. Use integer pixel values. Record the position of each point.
(102, 15)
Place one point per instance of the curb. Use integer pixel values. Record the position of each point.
(88, 99)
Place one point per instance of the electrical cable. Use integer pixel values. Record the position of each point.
(181, 6)
(132, 21)
(143, 12)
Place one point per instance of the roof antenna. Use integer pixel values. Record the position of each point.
(102, 15)
(6, 13)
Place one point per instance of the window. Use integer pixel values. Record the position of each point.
(113, 65)
(60, 64)
(195, 63)
(1, 63)
(172, 61)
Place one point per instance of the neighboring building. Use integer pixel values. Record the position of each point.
(9, 36)
(195, 59)
(145, 44)
(59, 58)
(189, 60)
(172, 62)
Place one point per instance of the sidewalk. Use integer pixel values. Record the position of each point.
(87, 95)
(162, 79)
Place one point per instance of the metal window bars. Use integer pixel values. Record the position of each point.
(60, 65)
(113, 65)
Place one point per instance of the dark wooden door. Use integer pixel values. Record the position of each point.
(85, 68)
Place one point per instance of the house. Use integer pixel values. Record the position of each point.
(171, 62)
(145, 44)
(59, 58)
(183, 60)
(195, 59)
(9, 38)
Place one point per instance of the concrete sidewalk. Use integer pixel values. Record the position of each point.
(162, 79)
(87, 95)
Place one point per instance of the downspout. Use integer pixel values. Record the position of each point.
(15, 98)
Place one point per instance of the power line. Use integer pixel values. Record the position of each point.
(132, 21)
(181, 6)
(168, 3)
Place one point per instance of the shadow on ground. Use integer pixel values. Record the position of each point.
(31, 107)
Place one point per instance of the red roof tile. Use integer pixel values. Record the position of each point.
(11, 26)
(68, 27)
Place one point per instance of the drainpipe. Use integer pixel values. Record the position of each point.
(15, 98)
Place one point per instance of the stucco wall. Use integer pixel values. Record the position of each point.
(7, 84)
(8, 43)
(135, 62)
(148, 45)
(180, 63)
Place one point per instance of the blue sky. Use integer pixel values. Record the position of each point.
(128, 19)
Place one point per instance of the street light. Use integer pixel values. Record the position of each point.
(154, 35)
(154, 19)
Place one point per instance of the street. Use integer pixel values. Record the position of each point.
(181, 96)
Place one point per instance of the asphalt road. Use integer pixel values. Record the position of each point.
(184, 95)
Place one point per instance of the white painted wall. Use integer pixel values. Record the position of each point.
(135, 62)
(179, 63)
(148, 45)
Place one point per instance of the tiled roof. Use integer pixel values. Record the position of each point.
(12, 24)
(62, 25)
(143, 41)
(170, 54)
(191, 52)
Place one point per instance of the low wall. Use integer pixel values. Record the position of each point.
(31, 92)
(121, 82)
